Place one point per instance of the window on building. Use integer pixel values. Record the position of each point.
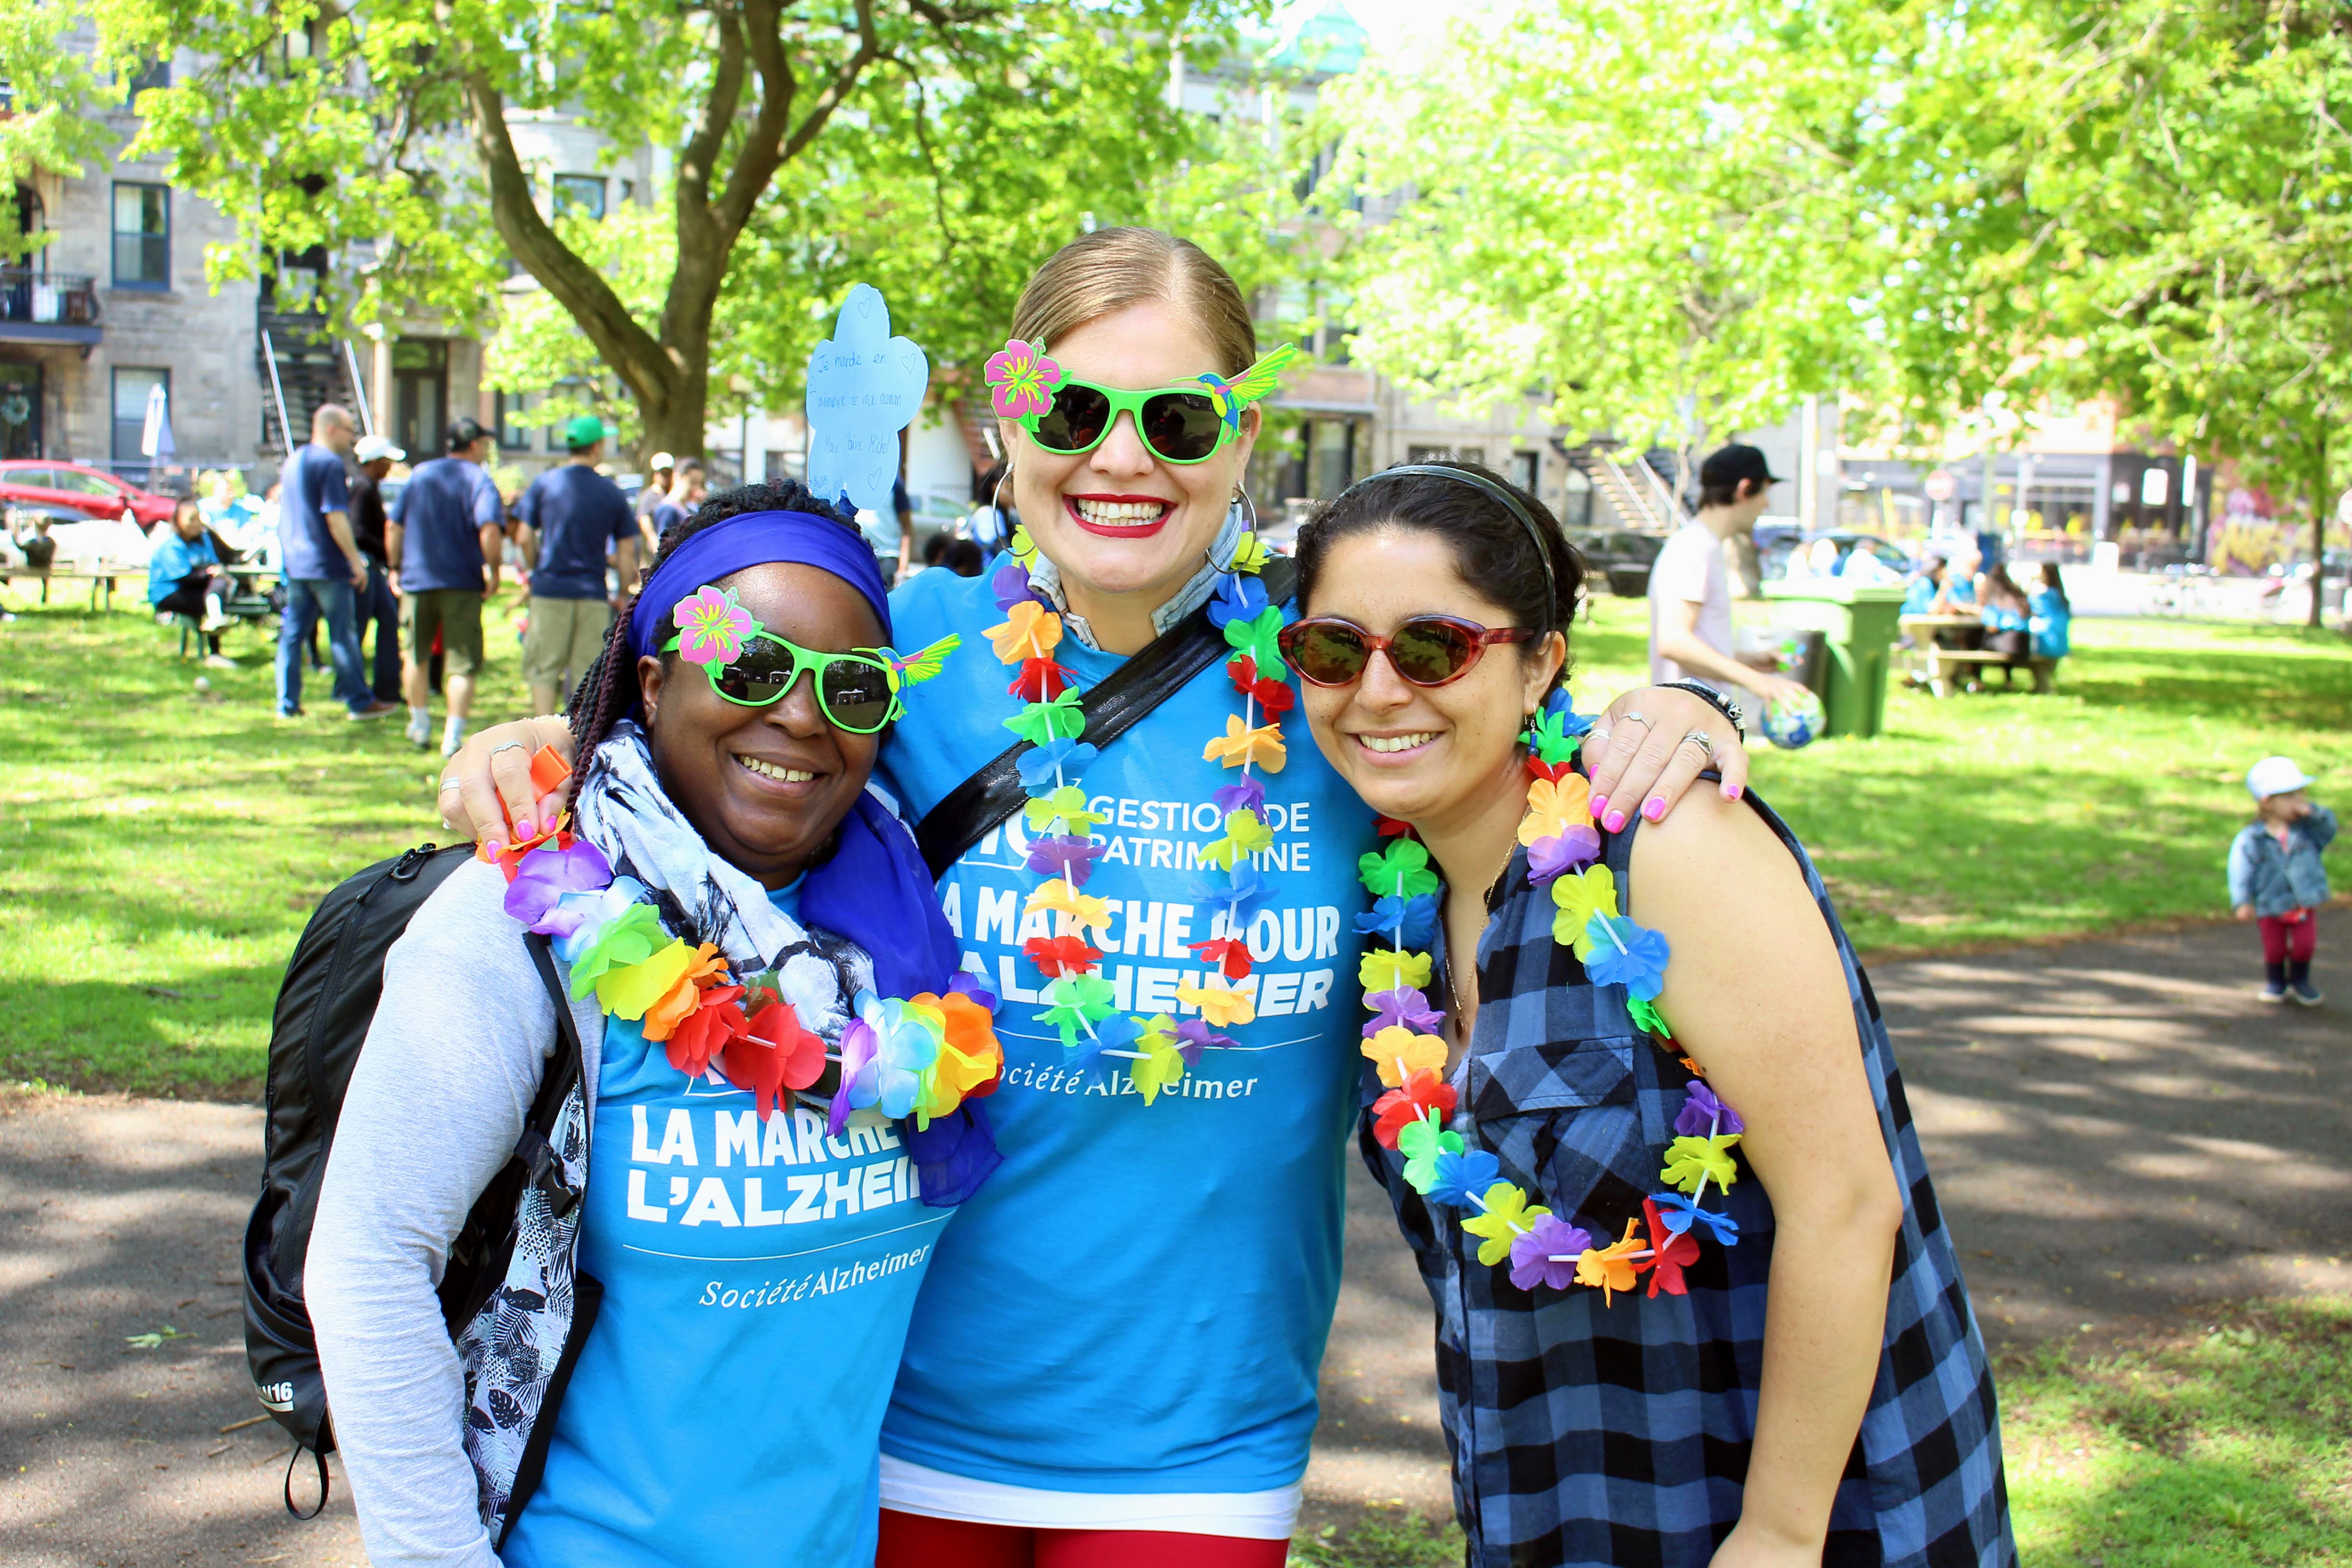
(142, 236)
(1446, 455)
(628, 192)
(1330, 457)
(420, 395)
(157, 74)
(20, 411)
(134, 389)
(580, 196)
(1523, 469)
(514, 431)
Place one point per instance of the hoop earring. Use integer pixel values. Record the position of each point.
(1249, 508)
(996, 497)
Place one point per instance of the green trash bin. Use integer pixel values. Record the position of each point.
(1860, 622)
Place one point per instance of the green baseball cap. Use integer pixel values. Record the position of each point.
(582, 432)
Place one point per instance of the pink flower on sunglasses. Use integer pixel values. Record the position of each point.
(712, 627)
(1020, 380)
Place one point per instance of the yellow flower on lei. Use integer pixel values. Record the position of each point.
(627, 993)
(1029, 630)
(1554, 806)
(1059, 898)
(1066, 805)
(1240, 745)
(1158, 1065)
(1508, 1214)
(1398, 1053)
(1245, 835)
(1222, 1005)
(1384, 969)
(1591, 891)
(1693, 1160)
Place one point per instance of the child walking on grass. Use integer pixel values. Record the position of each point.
(2276, 878)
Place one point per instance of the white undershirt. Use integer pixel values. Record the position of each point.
(1248, 1516)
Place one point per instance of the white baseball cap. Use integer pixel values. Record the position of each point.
(2275, 775)
(662, 460)
(371, 448)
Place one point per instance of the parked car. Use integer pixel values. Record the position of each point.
(78, 487)
(1776, 549)
(1621, 556)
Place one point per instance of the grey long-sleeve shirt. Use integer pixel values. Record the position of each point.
(451, 1063)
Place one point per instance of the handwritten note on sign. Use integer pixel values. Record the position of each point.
(864, 387)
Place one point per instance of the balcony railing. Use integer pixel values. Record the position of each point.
(47, 299)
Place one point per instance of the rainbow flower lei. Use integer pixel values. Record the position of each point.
(1402, 1042)
(1157, 1049)
(918, 1056)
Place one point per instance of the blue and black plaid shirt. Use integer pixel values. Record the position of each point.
(1619, 1435)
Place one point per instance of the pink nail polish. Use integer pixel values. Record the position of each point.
(1654, 809)
(1601, 806)
(494, 848)
(1732, 792)
(522, 827)
(1614, 822)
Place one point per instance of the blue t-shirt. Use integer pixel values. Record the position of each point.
(174, 559)
(442, 512)
(1920, 597)
(2052, 616)
(1137, 1299)
(311, 486)
(758, 1278)
(580, 515)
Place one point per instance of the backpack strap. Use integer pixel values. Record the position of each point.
(541, 1167)
(966, 812)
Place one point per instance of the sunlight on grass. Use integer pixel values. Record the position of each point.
(162, 846)
(2004, 817)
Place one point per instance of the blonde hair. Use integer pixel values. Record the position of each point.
(1112, 268)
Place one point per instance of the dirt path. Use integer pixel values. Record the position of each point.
(2119, 1132)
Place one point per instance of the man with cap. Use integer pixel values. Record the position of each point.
(1690, 589)
(572, 518)
(378, 605)
(659, 474)
(445, 532)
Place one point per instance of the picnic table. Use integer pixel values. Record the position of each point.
(100, 574)
(1942, 667)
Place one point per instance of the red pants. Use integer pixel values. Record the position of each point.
(2284, 939)
(917, 1540)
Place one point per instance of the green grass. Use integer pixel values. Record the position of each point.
(2227, 1447)
(160, 848)
(2005, 817)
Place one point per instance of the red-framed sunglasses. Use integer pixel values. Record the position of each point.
(1427, 650)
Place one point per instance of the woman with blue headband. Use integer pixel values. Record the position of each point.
(1116, 1352)
(690, 1364)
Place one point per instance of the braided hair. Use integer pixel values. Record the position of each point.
(609, 689)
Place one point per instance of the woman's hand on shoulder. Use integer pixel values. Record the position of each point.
(486, 789)
(1640, 757)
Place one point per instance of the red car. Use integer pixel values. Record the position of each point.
(76, 487)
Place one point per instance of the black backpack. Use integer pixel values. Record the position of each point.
(329, 998)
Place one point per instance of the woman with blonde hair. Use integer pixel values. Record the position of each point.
(1115, 1354)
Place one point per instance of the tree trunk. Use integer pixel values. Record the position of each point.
(2321, 503)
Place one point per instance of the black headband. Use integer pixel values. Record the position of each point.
(1509, 502)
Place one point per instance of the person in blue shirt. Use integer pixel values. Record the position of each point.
(1144, 1392)
(447, 533)
(319, 560)
(572, 518)
(2052, 614)
(2277, 878)
(1926, 589)
(184, 577)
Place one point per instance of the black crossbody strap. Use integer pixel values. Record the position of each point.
(966, 812)
(533, 1148)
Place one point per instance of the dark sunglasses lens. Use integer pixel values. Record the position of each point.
(1182, 427)
(1329, 655)
(1430, 653)
(760, 674)
(856, 695)
(1076, 421)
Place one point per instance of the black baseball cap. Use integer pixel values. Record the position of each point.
(1726, 466)
(465, 430)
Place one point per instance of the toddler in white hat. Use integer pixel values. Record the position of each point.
(2276, 878)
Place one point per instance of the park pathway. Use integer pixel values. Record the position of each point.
(2121, 1134)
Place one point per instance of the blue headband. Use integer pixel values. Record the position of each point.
(875, 889)
(756, 539)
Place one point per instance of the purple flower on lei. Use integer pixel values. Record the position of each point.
(1557, 854)
(1701, 1113)
(1193, 1036)
(1546, 1254)
(858, 1047)
(1249, 794)
(545, 875)
(1010, 584)
(967, 984)
(1404, 1007)
(1070, 856)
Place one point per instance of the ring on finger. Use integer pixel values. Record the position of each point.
(1705, 742)
(448, 784)
(1635, 719)
(508, 746)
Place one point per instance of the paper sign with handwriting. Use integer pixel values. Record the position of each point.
(864, 387)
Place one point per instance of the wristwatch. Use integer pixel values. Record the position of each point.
(1715, 700)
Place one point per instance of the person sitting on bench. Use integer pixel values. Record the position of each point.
(184, 577)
